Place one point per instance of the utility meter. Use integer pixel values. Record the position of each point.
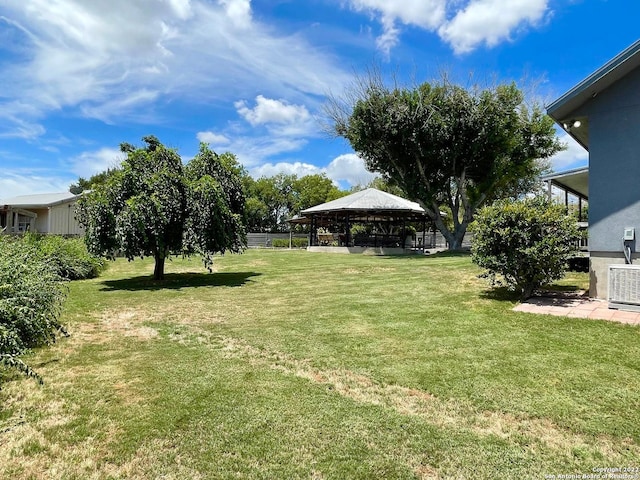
(629, 233)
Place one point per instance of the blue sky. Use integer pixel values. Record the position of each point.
(78, 77)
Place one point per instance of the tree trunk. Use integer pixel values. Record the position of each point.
(158, 271)
(458, 236)
(527, 291)
(455, 243)
(455, 238)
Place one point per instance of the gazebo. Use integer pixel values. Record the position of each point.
(383, 222)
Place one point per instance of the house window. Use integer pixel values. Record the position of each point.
(24, 223)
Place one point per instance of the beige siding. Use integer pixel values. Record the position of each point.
(41, 220)
(61, 220)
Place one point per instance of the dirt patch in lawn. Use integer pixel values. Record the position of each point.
(128, 323)
(531, 433)
(133, 322)
(110, 323)
(370, 270)
(33, 448)
(144, 464)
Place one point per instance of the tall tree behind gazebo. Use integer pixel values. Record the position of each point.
(446, 145)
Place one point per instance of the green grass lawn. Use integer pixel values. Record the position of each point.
(289, 364)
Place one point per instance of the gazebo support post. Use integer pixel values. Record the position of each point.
(403, 237)
(347, 233)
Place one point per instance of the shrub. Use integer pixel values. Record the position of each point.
(525, 242)
(69, 256)
(296, 242)
(280, 242)
(301, 242)
(359, 228)
(10, 351)
(410, 231)
(31, 296)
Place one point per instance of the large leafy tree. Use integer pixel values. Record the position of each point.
(153, 206)
(312, 190)
(276, 194)
(87, 184)
(445, 145)
(271, 201)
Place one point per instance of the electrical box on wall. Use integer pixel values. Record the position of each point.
(629, 234)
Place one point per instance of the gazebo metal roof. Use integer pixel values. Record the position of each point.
(369, 201)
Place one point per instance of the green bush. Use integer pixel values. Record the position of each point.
(31, 296)
(359, 228)
(296, 242)
(69, 256)
(527, 243)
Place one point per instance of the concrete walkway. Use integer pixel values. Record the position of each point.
(577, 306)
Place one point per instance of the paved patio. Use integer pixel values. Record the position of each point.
(577, 306)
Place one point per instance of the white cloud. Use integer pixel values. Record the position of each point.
(268, 110)
(427, 14)
(14, 183)
(238, 11)
(280, 117)
(89, 163)
(490, 22)
(109, 59)
(19, 115)
(253, 151)
(22, 128)
(573, 157)
(464, 24)
(134, 105)
(296, 168)
(345, 170)
(213, 138)
(349, 168)
(423, 13)
(389, 37)
(182, 8)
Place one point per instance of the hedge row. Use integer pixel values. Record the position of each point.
(296, 242)
(33, 275)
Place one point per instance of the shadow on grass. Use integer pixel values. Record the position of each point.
(421, 256)
(46, 362)
(564, 289)
(464, 252)
(563, 292)
(180, 280)
(502, 294)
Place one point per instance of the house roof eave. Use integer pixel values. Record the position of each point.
(609, 73)
(565, 110)
(575, 181)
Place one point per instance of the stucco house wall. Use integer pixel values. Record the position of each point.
(614, 176)
(608, 105)
(614, 164)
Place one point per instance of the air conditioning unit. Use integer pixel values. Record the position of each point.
(624, 287)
